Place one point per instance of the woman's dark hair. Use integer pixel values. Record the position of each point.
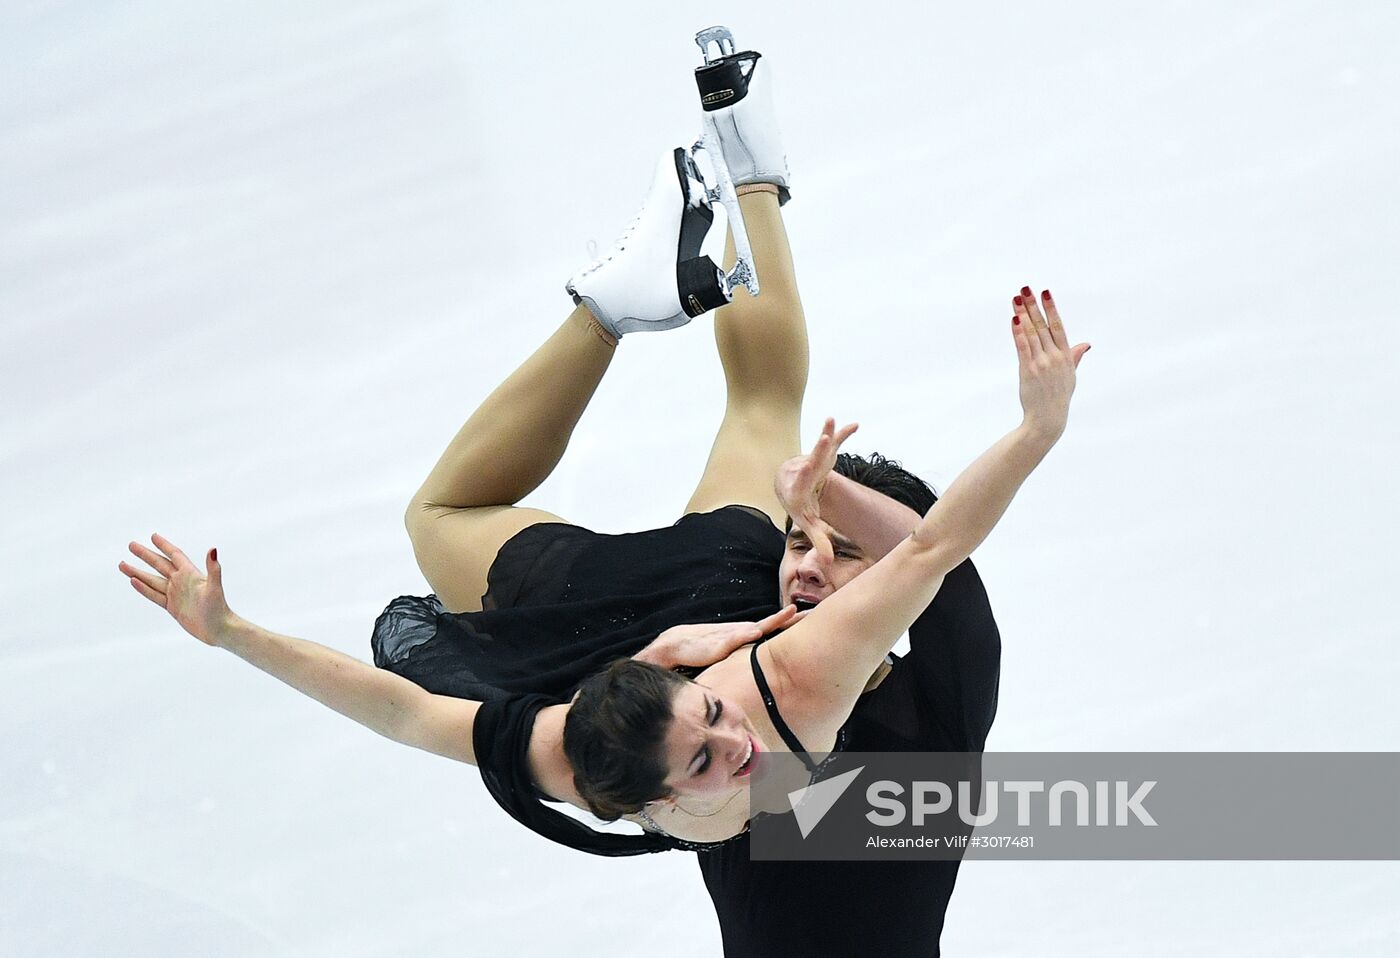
(614, 736)
(888, 477)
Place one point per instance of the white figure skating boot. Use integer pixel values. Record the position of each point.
(739, 137)
(664, 268)
(737, 99)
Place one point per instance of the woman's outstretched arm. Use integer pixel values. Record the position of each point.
(379, 700)
(823, 662)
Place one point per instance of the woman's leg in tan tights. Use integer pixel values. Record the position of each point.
(763, 347)
(465, 510)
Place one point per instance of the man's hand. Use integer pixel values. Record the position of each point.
(707, 643)
(193, 599)
(800, 481)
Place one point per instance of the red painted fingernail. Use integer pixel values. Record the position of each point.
(1045, 295)
(1017, 300)
(1025, 291)
(214, 554)
(1015, 320)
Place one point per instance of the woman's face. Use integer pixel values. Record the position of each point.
(710, 745)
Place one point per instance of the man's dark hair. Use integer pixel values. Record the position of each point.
(888, 477)
(614, 736)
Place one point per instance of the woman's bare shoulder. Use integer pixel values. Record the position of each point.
(736, 663)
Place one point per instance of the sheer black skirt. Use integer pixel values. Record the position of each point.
(562, 602)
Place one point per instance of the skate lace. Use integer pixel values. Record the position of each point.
(618, 246)
(698, 197)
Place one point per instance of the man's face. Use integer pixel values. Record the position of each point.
(805, 578)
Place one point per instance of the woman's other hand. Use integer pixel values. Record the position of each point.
(800, 481)
(707, 643)
(193, 599)
(1047, 363)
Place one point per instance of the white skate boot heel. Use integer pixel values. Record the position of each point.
(664, 268)
(736, 95)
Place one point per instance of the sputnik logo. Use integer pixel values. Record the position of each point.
(811, 803)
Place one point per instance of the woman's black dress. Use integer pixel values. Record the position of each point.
(563, 602)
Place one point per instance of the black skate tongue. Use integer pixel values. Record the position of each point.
(725, 82)
(700, 284)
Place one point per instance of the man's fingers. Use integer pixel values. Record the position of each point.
(1057, 328)
(846, 432)
(153, 559)
(820, 538)
(154, 582)
(157, 597)
(777, 620)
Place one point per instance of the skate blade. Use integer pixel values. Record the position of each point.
(744, 273)
(697, 193)
(720, 37)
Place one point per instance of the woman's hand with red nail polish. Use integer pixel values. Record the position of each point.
(194, 599)
(1047, 364)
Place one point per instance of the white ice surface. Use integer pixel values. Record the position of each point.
(259, 260)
